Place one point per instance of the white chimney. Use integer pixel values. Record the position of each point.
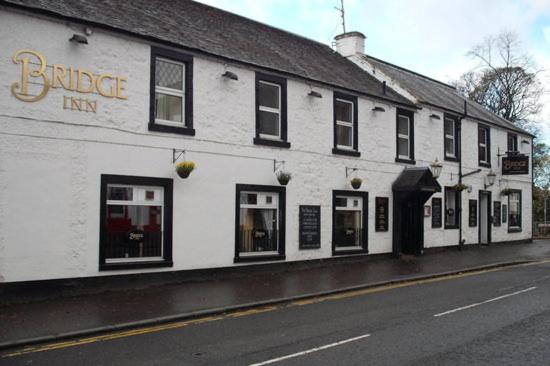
(350, 43)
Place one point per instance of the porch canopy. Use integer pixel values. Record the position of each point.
(417, 181)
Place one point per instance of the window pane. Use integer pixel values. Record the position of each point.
(449, 127)
(269, 95)
(482, 153)
(258, 230)
(133, 231)
(347, 228)
(344, 135)
(168, 107)
(249, 198)
(168, 75)
(403, 147)
(269, 123)
(451, 215)
(403, 125)
(482, 136)
(340, 201)
(514, 209)
(344, 111)
(449, 147)
(119, 193)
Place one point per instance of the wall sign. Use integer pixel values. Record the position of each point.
(504, 213)
(436, 212)
(496, 213)
(381, 214)
(515, 164)
(38, 77)
(310, 227)
(472, 213)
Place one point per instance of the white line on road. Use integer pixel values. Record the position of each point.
(485, 302)
(311, 350)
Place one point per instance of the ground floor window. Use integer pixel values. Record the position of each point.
(260, 222)
(350, 222)
(452, 207)
(514, 211)
(136, 222)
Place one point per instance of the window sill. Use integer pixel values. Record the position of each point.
(134, 265)
(172, 129)
(514, 230)
(350, 252)
(485, 165)
(453, 227)
(268, 142)
(259, 258)
(405, 161)
(450, 158)
(346, 152)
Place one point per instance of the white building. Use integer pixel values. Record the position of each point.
(98, 104)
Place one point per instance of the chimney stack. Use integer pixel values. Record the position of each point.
(350, 43)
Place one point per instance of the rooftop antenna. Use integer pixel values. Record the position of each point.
(343, 14)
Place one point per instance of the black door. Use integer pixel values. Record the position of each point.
(410, 224)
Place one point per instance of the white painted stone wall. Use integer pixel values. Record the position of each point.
(51, 159)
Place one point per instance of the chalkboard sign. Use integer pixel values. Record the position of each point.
(496, 213)
(436, 212)
(310, 227)
(472, 213)
(381, 214)
(504, 214)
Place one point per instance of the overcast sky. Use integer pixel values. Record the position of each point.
(431, 37)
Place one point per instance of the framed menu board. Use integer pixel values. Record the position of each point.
(496, 213)
(504, 214)
(472, 213)
(436, 212)
(381, 213)
(310, 227)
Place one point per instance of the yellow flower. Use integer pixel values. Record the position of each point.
(186, 165)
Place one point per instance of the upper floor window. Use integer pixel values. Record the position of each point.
(345, 125)
(405, 136)
(271, 124)
(512, 142)
(171, 92)
(484, 148)
(451, 138)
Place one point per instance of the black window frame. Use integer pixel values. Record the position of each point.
(512, 137)
(281, 191)
(455, 120)
(365, 222)
(497, 213)
(457, 207)
(410, 115)
(472, 213)
(516, 229)
(187, 60)
(281, 81)
(354, 100)
(167, 184)
(488, 145)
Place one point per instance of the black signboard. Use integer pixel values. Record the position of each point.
(381, 214)
(515, 164)
(472, 213)
(496, 213)
(310, 227)
(504, 214)
(436, 212)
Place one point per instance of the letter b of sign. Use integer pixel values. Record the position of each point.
(20, 90)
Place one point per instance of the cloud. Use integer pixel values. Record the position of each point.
(546, 32)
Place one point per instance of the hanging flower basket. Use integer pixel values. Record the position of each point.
(460, 187)
(185, 168)
(356, 183)
(506, 191)
(283, 178)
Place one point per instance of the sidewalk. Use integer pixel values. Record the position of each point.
(85, 314)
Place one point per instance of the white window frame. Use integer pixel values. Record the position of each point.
(172, 92)
(346, 124)
(350, 207)
(262, 204)
(450, 137)
(406, 137)
(138, 199)
(514, 138)
(272, 110)
(485, 159)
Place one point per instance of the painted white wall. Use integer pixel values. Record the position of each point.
(51, 159)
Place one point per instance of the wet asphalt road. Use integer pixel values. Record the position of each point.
(493, 318)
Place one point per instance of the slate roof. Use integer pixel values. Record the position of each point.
(202, 28)
(436, 93)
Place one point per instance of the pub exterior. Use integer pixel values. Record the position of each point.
(129, 147)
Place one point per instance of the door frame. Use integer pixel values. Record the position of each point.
(488, 194)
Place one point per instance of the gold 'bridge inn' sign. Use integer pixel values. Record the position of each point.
(36, 74)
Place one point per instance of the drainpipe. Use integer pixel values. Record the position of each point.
(459, 130)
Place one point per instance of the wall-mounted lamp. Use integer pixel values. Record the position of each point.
(78, 38)
(314, 94)
(378, 109)
(434, 116)
(230, 75)
(491, 176)
(436, 167)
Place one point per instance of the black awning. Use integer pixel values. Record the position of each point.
(416, 180)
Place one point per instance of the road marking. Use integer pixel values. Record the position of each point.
(484, 302)
(316, 349)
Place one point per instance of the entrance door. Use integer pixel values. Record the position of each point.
(410, 224)
(484, 217)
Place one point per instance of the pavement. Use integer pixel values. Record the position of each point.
(46, 320)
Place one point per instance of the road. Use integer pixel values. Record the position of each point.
(496, 317)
